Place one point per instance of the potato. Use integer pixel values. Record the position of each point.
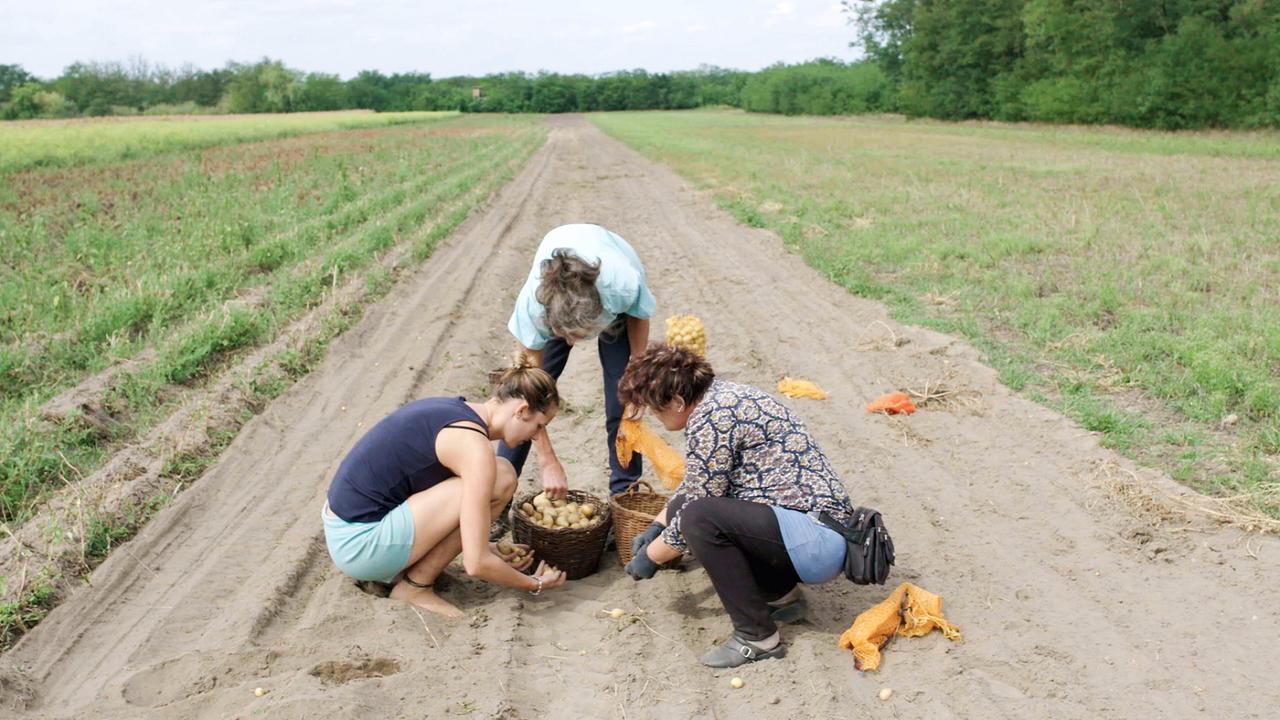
(504, 547)
(587, 510)
(571, 507)
(574, 517)
(528, 509)
(558, 504)
(562, 521)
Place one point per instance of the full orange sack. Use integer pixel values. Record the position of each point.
(908, 611)
(892, 404)
(635, 436)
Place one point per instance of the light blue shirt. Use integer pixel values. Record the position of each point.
(816, 551)
(621, 284)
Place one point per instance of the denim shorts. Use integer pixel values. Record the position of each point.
(816, 551)
(370, 550)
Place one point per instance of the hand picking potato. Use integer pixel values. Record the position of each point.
(517, 556)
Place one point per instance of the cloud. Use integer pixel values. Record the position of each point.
(346, 36)
(783, 10)
(833, 17)
(639, 27)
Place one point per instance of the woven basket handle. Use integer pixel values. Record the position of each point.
(632, 488)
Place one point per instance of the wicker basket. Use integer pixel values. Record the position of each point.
(576, 552)
(633, 510)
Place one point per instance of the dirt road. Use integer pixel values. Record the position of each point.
(1073, 602)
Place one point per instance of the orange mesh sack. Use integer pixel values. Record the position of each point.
(635, 436)
(792, 387)
(909, 611)
(892, 404)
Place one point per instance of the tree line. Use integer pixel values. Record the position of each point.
(96, 89)
(1167, 64)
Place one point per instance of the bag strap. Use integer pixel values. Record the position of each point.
(852, 535)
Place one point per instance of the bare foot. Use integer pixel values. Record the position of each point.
(425, 599)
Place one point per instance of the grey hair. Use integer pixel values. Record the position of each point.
(569, 295)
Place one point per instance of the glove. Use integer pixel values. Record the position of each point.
(639, 542)
(641, 567)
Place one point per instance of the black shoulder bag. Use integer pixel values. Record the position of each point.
(870, 549)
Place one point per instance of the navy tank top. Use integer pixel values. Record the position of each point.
(396, 459)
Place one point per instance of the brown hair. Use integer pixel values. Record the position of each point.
(662, 374)
(568, 293)
(524, 381)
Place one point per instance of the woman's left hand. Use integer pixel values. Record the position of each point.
(516, 555)
(641, 567)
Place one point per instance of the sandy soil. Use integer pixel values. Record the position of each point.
(1074, 602)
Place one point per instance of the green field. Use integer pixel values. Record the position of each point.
(187, 259)
(1128, 278)
(44, 143)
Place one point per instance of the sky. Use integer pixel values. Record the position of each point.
(461, 37)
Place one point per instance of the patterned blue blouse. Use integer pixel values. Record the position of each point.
(742, 443)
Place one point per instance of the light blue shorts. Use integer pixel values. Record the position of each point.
(372, 550)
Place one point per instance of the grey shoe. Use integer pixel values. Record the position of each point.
(791, 612)
(737, 652)
(790, 608)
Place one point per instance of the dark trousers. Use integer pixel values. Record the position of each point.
(615, 351)
(740, 545)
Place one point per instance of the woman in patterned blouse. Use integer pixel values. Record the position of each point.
(754, 482)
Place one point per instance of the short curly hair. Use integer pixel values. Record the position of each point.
(661, 374)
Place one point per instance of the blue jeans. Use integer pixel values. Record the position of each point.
(615, 351)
